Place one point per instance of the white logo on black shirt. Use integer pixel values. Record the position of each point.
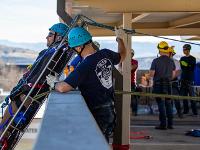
(104, 72)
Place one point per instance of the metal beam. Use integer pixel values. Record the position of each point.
(139, 17)
(149, 25)
(197, 38)
(193, 19)
(120, 23)
(62, 13)
(143, 6)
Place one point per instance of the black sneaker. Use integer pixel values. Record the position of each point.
(180, 115)
(170, 127)
(185, 112)
(161, 128)
(195, 115)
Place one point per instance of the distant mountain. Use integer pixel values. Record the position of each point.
(145, 52)
(142, 48)
(31, 46)
(13, 55)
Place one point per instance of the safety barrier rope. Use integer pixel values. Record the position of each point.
(166, 38)
(174, 97)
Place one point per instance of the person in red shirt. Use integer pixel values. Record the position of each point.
(134, 99)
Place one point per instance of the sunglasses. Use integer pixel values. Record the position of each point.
(165, 48)
(50, 34)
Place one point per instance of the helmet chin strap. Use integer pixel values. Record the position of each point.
(82, 48)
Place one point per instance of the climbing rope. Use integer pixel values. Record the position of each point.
(88, 21)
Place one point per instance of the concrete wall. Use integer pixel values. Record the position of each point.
(68, 124)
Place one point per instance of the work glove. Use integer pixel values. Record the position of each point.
(119, 33)
(29, 67)
(51, 80)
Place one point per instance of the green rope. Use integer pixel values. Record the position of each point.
(174, 97)
(40, 95)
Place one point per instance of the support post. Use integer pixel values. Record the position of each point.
(126, 71)
(122, 130)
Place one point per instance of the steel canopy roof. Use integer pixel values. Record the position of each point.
(157, 17)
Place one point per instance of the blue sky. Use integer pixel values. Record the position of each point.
(27, 20)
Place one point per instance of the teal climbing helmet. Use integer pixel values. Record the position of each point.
(60, 28)
(78, 36)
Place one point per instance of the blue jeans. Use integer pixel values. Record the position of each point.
(164, 106)
(106, 119)
(186, 88)
(176, 91)
(134, 100)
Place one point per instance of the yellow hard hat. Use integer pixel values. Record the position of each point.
(172, 50)
(164, 47)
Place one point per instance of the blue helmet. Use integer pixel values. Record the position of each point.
(78, 36)
(60, 28)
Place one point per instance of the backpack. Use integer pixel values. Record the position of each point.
(197, 74)
(193, 132)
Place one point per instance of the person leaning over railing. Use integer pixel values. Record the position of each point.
(93, 76)
(163, 71)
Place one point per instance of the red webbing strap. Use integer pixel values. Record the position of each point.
(4, 144)
(120, 147)
(140, 135)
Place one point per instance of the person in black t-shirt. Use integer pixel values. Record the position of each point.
(163, 71)
(93, 76)
(187, 63)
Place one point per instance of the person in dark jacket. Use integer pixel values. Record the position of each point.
(26, 83)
